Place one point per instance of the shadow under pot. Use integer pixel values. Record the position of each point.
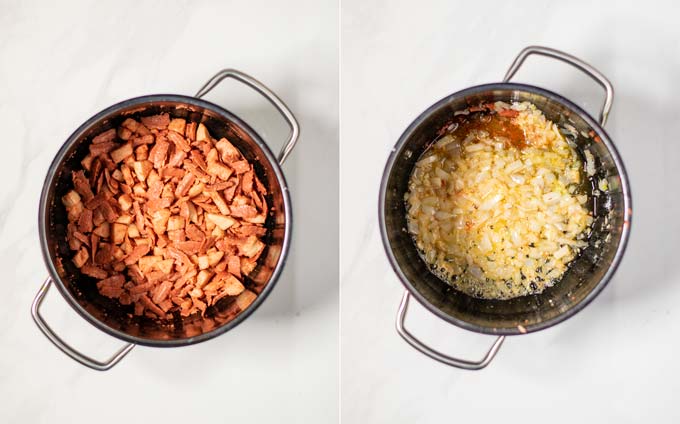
(587, 274)
(80, 291)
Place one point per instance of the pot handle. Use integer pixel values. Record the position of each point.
(58, 342)
(573, 61)
(438, 356)
(268, 94)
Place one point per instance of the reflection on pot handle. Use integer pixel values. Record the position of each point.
(441, 357)
(573, 61)
(268, 94)
(58, 342)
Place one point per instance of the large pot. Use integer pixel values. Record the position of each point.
(587, 274)
(80, 291)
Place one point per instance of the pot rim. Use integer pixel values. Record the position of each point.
(625, 188)
(111, 110)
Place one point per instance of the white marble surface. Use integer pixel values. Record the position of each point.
(616, 361)
(60, 63)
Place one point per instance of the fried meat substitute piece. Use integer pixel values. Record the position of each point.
(166, 218)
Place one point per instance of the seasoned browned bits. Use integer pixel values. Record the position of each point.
(166, 218)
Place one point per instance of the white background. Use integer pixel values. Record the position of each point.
(60, 63)
(617, 360)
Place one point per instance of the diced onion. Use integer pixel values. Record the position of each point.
(493, 201)
(603, 185)
(427, 160)
(496, 221)
(590, 163)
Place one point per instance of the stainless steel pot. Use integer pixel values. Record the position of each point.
(588, 273)
(81, 292)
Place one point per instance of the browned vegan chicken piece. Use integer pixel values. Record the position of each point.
(166, 218)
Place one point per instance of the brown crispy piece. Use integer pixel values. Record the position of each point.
(179, 141)
(250, 230)
(162, 292)
(159, 153)
(234, 265)
(219, 170)
(142, 152)
(185, 184)
(151, 306)
(190, 131)
(176, 159)
(243, 211)
(189, 247)
(107, 210)
(102, 148)
(247, 265)
(155, 187)
(198, 159)
(178, 125)
(135, 127)
(94, 245)
(85, 221)
(114, 281)
(260, 188)
(230, 192)
(218, 200)
(104, 254)
(81, 185)
(252, 247)
(93, 271)
(230, 287)
(158, 122)
(142, 140)
(247, 182)
(156, 204)
(75, 243)
(141, 288)
(228, 153)
(202, 133)
(241, 166)
(221, 221)
(194, 233)
(138, 252)
(122, 152)
(80, 258)
(105, 137)
(87, 162)
(124, 133)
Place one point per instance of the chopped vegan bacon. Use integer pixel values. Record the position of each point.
(166, 218)
(158, 122)
(105, 137)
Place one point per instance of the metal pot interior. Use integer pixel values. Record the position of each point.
(81, 291)
(587, 274)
